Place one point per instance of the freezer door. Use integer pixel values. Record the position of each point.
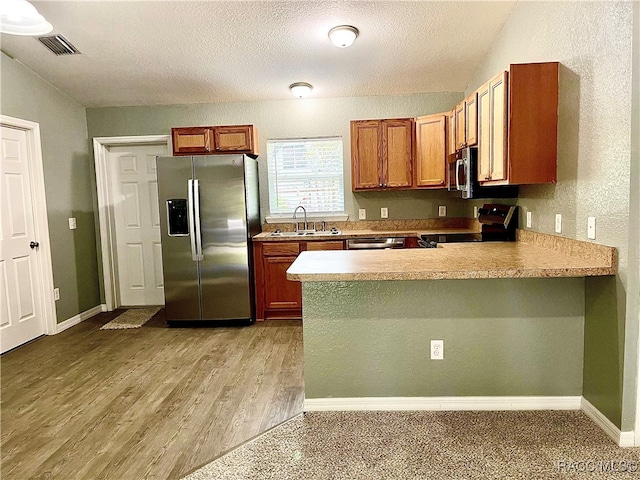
(224, 268)
(180, 270)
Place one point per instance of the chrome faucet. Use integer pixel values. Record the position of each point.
(305, 216)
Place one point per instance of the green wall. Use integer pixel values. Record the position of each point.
(68, 178)
(502, 337)
(594, 43)
(292, 119)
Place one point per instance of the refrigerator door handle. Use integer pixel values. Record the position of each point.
(192, 235)
(196, 220)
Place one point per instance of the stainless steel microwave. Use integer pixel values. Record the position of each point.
(463, 177)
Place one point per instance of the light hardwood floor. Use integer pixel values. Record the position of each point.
(153, 402)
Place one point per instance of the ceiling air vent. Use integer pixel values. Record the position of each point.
(59, 45)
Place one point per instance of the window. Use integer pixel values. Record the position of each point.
(307, 172)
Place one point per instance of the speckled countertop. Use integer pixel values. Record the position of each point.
(364, 233)
(533, 255)
(375, 229)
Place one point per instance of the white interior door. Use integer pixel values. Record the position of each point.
(134, 191)
(21, 317)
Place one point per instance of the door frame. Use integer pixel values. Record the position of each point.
(44, 264)
(101, 147)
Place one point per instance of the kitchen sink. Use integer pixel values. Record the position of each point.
(327, 233)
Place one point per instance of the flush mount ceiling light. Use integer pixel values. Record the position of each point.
(343, 36)
(300, 89)
(19, 17)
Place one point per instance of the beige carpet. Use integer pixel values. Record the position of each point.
(429, 446)
(131, 318)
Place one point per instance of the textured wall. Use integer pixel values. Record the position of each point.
(68, 182)
(292, 119)
(593, 43)
(373, 338)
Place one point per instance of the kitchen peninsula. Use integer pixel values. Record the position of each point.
(511, 315)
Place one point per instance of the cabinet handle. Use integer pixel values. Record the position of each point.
(487, 177)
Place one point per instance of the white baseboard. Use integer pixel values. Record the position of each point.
(441, 403)
(623, 439)
(80, 317)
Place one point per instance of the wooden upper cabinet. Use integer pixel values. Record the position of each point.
(382, 154)
(397, 153)
(431, 151)
(518, 126)
(484, 133)
(218, 139)
(192, 140)
(366, 154)
(237, 138)
(451, 132)
(460, 112)
(471, 119)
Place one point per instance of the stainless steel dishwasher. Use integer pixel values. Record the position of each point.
(375, 243)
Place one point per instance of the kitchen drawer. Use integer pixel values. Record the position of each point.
(280, 249)
(326, 245)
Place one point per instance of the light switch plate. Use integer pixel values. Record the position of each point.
(529, 219)
(362, 214)
(591, 228)
(558, 223)
(384, 212)
(72, 223)
(442, 211)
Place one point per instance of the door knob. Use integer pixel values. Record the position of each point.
(34, 245)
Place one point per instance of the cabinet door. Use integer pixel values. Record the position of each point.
(192, 140)
(430, 151)
(366, 157)
(236, 138)
(461, 140)
(451, 132)
(498, 92)
(397, 153)
(281, 293)
(471, 116)
(282, 297)
(484, 133)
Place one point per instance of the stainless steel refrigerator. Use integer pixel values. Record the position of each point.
(209, 210)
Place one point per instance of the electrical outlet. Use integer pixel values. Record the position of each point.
(384, 212)
(558, 223)
(529, 219)
(442, 211)
(437, 349)
(591, 228)
(56, 294)
(475, 211)
(72, 223)
(362, 214)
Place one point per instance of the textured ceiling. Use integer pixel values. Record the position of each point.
(180, 52)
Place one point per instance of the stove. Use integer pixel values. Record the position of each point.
(499, 223)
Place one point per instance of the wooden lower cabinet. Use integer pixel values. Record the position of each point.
(277, 297)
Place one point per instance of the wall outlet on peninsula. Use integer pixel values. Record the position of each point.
(437, 349)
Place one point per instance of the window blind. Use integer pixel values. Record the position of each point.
(307, 172)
